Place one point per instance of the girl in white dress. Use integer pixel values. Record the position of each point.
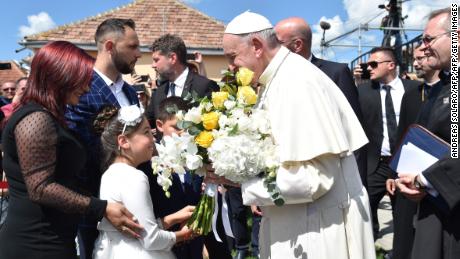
(127, 141)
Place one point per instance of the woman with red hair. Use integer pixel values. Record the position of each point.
(42, 158)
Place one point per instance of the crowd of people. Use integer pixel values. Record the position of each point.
(77, 140)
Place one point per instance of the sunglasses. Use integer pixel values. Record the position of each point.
(375, 64)
(430, 39)
(11, 89)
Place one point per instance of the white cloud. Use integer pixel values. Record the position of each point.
(367, 11)
(37, 23)
(418, 11)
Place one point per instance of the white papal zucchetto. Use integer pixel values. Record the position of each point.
(248, 22)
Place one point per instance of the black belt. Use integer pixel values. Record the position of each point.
(385, 159)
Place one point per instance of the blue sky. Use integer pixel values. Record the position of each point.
(20, 17)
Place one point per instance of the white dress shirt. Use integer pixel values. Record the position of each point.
(180, 83)
(116, 88)
(397, 92)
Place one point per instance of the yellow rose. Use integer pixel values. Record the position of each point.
(247, 94)
(244, 76)
(210, 120)
(204, 139)
(218, 99)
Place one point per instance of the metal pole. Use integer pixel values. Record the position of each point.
(359, 40)
(393, 29)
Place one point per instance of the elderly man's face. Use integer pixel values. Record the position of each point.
(436, 43)
(240, 53)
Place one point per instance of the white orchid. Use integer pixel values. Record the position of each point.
(229, 104)
(176, 154)
(194, 115)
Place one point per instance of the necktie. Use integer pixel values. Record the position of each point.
(172, 88)
(391, 117)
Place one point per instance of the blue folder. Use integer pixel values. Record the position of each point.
(423, 139)
(428, 142)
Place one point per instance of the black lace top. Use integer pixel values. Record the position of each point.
(41, 159)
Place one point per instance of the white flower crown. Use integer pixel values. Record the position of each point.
(130, 116)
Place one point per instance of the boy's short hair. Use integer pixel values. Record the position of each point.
(170, 106)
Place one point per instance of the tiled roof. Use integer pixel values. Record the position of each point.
(12, 74)
(153, 18)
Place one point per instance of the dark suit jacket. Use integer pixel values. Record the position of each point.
(437, 233)
(405, 209)
(342, 77)
(193, 84)
(369, 98)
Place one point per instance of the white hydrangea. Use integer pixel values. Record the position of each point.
(245, 153)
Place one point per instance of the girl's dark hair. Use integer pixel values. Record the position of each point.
(57, 70)
(107, 125)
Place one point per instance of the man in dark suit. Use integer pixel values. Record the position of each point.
(169, 61)
(405, 209)
(381, 103)
(118, 51)
(295, 34)
(437, 188)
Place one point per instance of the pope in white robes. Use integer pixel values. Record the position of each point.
(326, 214)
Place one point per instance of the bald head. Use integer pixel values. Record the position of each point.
(295, 34)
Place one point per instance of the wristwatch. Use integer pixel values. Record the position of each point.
(418, 183)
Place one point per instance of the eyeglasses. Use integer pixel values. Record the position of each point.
(430, 39)
(375, 64)
(11, 89)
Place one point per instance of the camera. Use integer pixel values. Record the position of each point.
(190, 56)
(366, 74)
(145, 78)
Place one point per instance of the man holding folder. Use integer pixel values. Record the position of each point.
(437, 230)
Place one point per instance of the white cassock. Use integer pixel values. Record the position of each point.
(326, 214)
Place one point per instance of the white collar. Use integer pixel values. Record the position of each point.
(272, 67)
(116, 87)
(180, 80)
(394, 84)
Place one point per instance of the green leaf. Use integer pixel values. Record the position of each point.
(234, 130)
(279, 202)
(275, 195)
(195, 96)
(194, 130)
(188, 97)
(184, 124)
(270, 188)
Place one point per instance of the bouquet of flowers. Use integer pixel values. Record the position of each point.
(233, 136)
(228, 132)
